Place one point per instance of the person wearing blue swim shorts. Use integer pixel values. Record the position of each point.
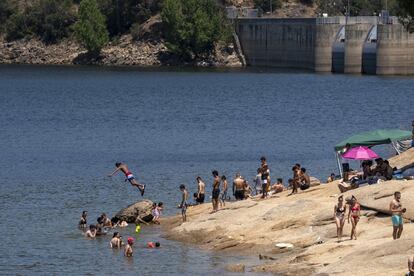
(397, 211)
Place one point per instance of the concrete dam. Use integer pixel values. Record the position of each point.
(334, 44)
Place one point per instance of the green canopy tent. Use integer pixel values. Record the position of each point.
(372, 138)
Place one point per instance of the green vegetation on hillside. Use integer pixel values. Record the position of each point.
(192, 27)
(50, 20)
(90, 30)
(406, 13)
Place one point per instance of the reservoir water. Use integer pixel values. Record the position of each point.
(63, 128)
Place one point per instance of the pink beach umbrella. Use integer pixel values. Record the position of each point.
(360, 153)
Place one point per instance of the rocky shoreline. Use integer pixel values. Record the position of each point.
(123, 52)
(305, 221)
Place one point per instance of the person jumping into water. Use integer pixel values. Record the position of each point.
(129, 176)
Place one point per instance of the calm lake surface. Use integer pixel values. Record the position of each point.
(63, 128)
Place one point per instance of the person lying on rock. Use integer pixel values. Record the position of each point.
(129, 176)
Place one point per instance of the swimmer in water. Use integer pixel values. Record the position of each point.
(116, 242)
(83, 220)
(91, 233)
(153, 245)
(128, 252)
(129, 176)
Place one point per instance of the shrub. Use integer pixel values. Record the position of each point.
(121, 14)
(7, 9)
(135, 31)
(264, 5)
(50, 20)
(192, 27)
(90, 29)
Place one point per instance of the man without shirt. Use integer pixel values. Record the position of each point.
(184, 202)
(129, 176)
(216, 191)
(201, 190)
(239, 185)
(304, 180)
(397, 211)
(91, 233)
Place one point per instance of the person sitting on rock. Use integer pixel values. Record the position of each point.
(278, 187)
(304, 180)
(91, 233)
(128, 252)
(129, 176)
(331, 178)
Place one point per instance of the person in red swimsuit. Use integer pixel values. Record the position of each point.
(129, 176)
(354, 213)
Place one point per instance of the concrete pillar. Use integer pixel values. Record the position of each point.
(395, 50)
(355, 36)
(325, 38)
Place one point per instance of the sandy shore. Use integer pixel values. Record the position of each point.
(305, 220)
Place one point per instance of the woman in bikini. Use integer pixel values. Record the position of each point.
(339, 215)
(354, 214)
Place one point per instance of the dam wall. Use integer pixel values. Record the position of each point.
(309, 44)
(395, 50)
(355, 36)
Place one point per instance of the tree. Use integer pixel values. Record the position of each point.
(192, 27)
(121, 14)
(90, 29)
(406, 14)
(50, 20)
(7, 9)
(264, 5)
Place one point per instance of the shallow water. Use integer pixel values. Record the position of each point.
(63, 128)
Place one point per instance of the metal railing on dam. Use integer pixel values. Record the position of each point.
(308, 43)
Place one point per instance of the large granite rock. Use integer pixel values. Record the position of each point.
(378, 197)
(141, 209)
(404, 160)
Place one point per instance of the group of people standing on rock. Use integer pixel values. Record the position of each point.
(354, 214)
(241, 188)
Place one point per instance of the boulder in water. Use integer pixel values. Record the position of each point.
(141, 210)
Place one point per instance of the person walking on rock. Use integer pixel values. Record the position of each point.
(129, 176)
(339, 215)
(397, 211)
(354, 214)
